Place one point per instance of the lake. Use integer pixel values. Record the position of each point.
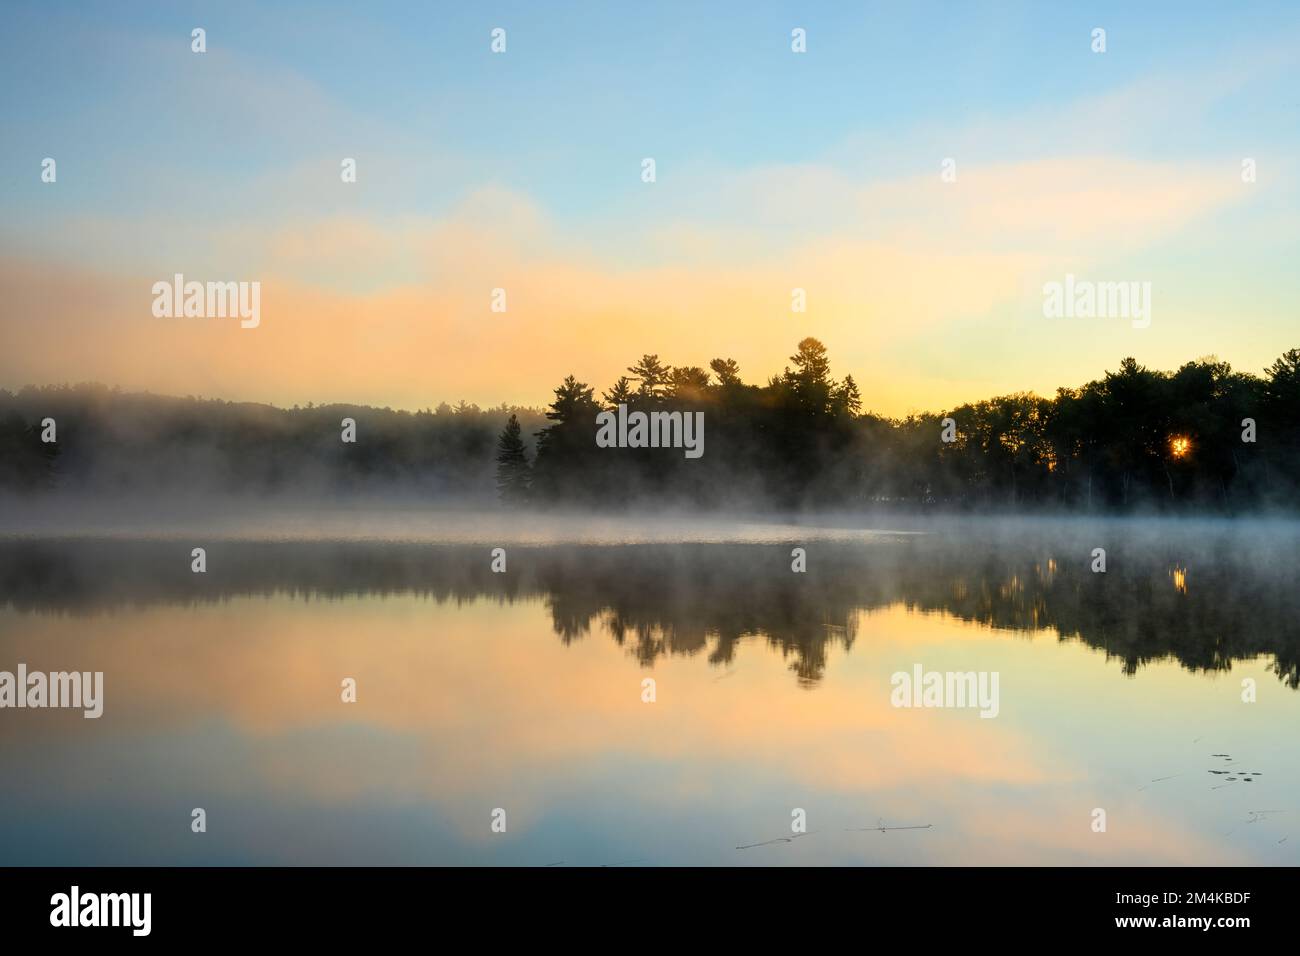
(1147, 714)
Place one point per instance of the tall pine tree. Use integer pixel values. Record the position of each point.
(513, 471)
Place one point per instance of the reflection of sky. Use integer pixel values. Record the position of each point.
(235, 707)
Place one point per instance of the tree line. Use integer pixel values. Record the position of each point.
(1204, 437)
(108, 441)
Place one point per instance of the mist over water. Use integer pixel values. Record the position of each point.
(1204, 593)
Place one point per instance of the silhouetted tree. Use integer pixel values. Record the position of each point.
(565, 447)
(620, 394)
(810, 382)
(848, 400)
(727, 370)
(1134, 438)
(652, 378)
(513, 471)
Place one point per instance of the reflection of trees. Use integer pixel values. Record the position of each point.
(1226, 604)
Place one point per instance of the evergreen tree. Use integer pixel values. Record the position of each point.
(652, 377)
(810, 382)
(727, 370)
(566, 447)
(688, 382)
(513, 471)
(620, 394)
(847, 398)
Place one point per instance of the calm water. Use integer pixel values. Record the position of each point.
(523, 691)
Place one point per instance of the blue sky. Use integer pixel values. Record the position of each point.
(227, 163)
(586, 85)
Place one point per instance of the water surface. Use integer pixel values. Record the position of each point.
(523, 691)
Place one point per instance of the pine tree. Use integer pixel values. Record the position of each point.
(810, 382)
(727, 370)
(513, 471)
(652, 378)
(847, 398)
(689, 382)
(565, 447)
(620, 394)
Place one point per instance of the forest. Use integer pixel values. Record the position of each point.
(1203, 437)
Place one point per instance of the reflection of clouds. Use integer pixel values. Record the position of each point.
(1055, 824)
(480, 706)
(275, 667)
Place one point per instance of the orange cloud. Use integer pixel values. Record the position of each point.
(398, 313)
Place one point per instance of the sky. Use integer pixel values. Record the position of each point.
(522, 171)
